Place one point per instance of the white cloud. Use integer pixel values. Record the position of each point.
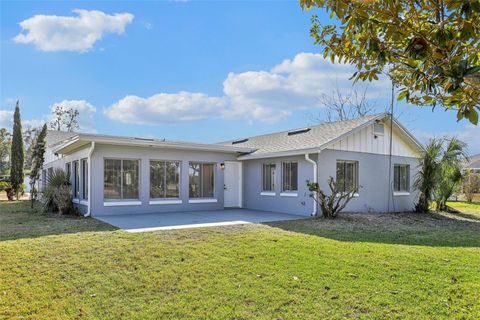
(86, 112)
(165, 108)
(6, 119)
(85, 118)
(71, 33)
(265, 96)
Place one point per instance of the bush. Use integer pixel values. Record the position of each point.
(62, 197)
(55, 180)
(5, 186)
(332, 204)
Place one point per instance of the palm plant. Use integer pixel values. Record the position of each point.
(440, 172)
(55, 180)
(428, 173)
(450, 172)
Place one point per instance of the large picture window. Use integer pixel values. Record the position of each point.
(401, 177)
(121, 179)
(164, 179)
(201, 178)
(84, 169)
(289, 176)
(268, 177)
(347, 175)
(76, 180)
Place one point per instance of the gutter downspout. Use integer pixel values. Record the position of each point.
(315, 167)
(90, 151)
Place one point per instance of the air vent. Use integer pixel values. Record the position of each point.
(378, 129)
(239, 141)
(298, 131)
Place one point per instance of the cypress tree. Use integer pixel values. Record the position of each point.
(17, 154)
(38, 157)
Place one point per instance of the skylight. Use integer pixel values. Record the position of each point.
(298, 131)
(239, 141)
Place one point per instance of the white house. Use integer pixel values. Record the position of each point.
(115, 175)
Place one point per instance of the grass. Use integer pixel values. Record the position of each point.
(359, 266)
(472, 209)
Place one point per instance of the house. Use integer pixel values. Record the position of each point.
(117, 175)
(473, 165)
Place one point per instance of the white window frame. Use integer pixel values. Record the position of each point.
(357, 174)
(76, 179)
(273, 182)
(84, 179)
(165, 200)
(289, 190)
(194, 199)
(126, 201)
(407, 190)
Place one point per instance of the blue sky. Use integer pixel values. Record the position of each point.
(197, 71)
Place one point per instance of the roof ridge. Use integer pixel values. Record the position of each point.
(298, 128)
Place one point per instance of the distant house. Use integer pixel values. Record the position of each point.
(474, 164)
(116, 175)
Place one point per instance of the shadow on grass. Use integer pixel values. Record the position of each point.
(432, 229)
(18, 220)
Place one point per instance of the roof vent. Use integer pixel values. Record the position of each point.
(144, 139)
(239, 141)
(298, 131)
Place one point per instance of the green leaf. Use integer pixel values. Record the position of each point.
(402, 95)
(473, 116)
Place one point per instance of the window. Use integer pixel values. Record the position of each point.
(201, 180)
(84, 167)
(347, 175)
(121, 179)
(44, 179)
(68, 170)
(76, 180)
(289, 176)
(268, 176)
(401, 178)
(164, 179)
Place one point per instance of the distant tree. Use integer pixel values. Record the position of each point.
(340, 106)
(17, 153)
(29, 134)
(428, 48)
(5, 148)
(471, 185)
(38, 157)
(64, 119)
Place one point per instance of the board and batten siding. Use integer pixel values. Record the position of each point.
(364, 141)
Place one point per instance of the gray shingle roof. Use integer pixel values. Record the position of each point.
(54, 136)
(474, 162)
(316, 137)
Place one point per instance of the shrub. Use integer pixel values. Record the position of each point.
(56, 179)
(62, 196)
(5, 186)
(332, 204)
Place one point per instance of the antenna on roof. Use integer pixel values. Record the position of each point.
(390, 182)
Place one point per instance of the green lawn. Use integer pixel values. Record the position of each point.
(358, 266)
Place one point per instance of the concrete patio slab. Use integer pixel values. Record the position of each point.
(194, 219)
